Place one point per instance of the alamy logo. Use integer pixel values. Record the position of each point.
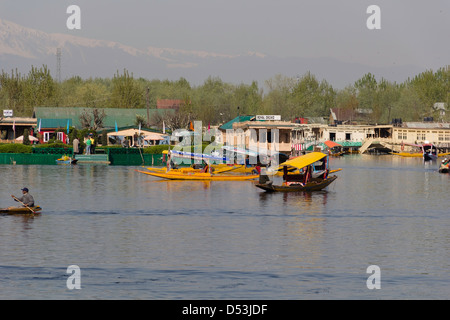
(374, 21)
(74, 21)
(74, 280)
(250, 146)
(374, 281)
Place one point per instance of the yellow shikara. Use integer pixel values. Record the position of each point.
(199, 176)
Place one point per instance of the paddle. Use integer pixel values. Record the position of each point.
(23, 203)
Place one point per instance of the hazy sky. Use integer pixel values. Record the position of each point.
(412, 31)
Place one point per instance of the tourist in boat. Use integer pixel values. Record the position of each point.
(27, 199)
(205, 168)
(257, 169)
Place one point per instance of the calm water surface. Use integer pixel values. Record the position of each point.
(137, 237)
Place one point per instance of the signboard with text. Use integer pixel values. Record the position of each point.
(7, 113)
(268, 117)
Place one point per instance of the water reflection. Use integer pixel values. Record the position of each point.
(24, 220)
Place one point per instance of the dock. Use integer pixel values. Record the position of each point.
(93, 158)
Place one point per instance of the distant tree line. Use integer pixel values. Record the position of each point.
(215, 101)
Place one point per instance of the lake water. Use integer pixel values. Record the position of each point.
(137, 237)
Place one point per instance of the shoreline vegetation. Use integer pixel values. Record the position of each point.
(22, 148)
(215, 102)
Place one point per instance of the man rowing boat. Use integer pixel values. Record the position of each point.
(27, 199)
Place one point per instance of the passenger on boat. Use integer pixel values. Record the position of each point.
(205, 168)
(27, 199)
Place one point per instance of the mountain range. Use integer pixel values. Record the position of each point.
(22, 47)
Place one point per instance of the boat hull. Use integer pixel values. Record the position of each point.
(189, 169)
(310, 186)
(430, 157)
(70, 161)
(20, 210)
(199, 176)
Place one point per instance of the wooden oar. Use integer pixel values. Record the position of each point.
(23, 204)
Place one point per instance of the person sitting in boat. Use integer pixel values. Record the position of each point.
(173, 165)
(205, 167)
(257, 169)
(27, 199)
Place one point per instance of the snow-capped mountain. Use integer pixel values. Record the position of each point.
(22, 47)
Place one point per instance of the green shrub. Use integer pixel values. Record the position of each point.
(156, 149)
(15, 148)
(53, 145)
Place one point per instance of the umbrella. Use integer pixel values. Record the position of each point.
(31, 138)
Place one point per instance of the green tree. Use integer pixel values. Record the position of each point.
(311, 97)
(26, 137)
(11, 91)
(126, 92)
(39, 88)
(278, 99)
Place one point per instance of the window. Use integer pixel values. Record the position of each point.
(402, 135)
(333, 136)
(348, 136)
(421, 136)
(46, 136)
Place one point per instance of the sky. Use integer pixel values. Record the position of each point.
(413, 32)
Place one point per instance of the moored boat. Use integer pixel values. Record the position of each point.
(66, 160)
(427, 151)
(334, 149)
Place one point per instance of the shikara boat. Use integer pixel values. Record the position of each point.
(21, 210)
(430, 152)
(445, 166)
(427, 151)
(334, 149)
(240, 168)
(408, 154)
(313, 176)
(189, 169)
(66, 160)
(199, 176)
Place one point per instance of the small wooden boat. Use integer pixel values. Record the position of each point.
(313, 177)
(408, 154)
(334, 149)
(21, 210)
(312, 185)
(445, 166)
(66, 160)
(199, 176)
(430, 152)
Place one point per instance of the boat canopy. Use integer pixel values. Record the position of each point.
(331, 144)
(192, 155)
(303, 161)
